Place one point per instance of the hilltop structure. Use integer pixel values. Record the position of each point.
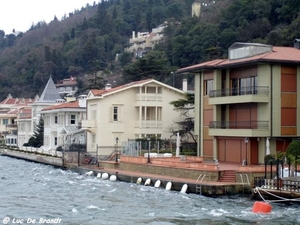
(143, 42)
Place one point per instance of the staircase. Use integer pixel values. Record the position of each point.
(228, 176)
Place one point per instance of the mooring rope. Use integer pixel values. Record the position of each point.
(258, 189)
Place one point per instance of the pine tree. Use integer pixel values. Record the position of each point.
(37, 139)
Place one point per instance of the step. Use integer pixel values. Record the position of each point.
(228, 176)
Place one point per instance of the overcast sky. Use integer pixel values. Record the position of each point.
(20, 14)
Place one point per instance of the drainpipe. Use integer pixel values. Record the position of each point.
(271, 98)
(200, 111)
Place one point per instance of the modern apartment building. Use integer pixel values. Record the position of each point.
(247, 106)
(142, 42)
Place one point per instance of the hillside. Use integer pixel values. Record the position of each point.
(85, 43)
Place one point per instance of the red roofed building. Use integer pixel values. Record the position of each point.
(247, 106)
(62, 124)
(10, 109)
(135, 110)
(67, 86)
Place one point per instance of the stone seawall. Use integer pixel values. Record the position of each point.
(177, 172)
(45, 159)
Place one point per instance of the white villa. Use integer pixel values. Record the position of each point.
(62, 124)
(135, 110)
(26, 123)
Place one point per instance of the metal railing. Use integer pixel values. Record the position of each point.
(239, 124)
(277, 184)
(251, 90)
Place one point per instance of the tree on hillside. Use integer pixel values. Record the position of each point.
(37, 139)
(153, 65)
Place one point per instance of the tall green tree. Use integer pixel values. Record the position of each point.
(185, 122)
(37, 139)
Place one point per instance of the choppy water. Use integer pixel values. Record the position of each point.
(33, 193)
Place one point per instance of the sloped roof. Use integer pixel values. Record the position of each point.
(67, 82)
(16, 101)
(70, 130)
(50, 93)
(130, 85)
(64, 105)
(277, 55)
(25, 113)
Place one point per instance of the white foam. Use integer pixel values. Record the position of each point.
(74, 210)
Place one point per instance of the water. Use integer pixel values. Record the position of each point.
(32, 192)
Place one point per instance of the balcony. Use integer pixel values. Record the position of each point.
(148, 124)
(12, 126)
(149, 97)
(239, 95)
(239, 128)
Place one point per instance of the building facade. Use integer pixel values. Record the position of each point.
(248, 105)
(62, 124)
(10, 110)
(142, 42)
(136, 110)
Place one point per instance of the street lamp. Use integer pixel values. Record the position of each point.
(148, 139)
(246, 141)
(117, 140)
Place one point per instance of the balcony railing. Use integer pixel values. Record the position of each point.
(12, 125)
(251, 90)
(239, 124)
(148, 124)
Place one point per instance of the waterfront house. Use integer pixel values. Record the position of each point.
(247, 106)
(135, 110)
(24, 125)
(10, 108)
(50, 96)
(62, 124)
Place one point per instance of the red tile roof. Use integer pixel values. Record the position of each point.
(278, 55)
(74, 104)
(25, 113)
(17, 101)
(125, 86)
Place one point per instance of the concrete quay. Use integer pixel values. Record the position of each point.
(201, 177)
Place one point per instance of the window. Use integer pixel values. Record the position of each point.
(152, 113)
(55, 119)
(72, 119)
(5, 121)
(115, 113)
(55, 140)
(244, 86)
(151, 90)
(208, 86)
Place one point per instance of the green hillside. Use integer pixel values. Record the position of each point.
(85, 43)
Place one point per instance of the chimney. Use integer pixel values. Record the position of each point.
(82, 101)
(107, 86)
(133, 34)
(184, 85)
(297, 43)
